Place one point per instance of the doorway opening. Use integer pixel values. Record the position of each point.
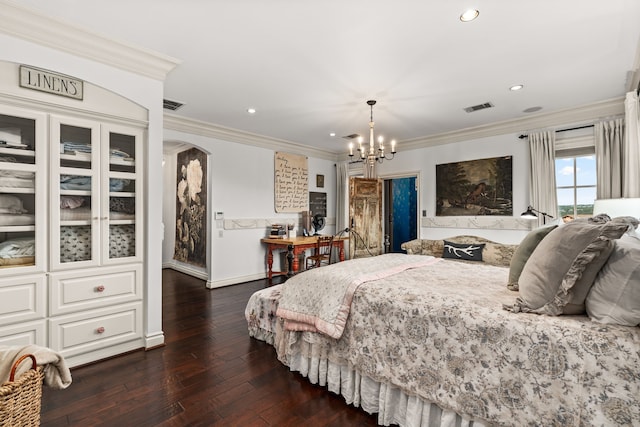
(400, 212)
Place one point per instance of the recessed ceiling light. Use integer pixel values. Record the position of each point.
(516, 87)
(332, 134)
(469, 15)
(251, 110)
(532, 109)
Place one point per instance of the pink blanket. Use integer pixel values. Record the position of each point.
(319, 300)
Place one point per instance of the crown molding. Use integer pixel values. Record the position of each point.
(197, 127)
(586, 113)
(33, 26)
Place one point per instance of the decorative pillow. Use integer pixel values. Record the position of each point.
(432, 247)
(499, 254)
(615, 295)
(632, 223)
(524, 251)
(413, 247)
(559, 273)
(468, 252)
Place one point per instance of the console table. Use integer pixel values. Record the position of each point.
(294, 247)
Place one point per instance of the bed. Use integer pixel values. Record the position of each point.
(430, 341)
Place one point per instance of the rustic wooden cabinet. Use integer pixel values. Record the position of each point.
(365, 213)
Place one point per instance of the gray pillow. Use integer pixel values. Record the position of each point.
(559, 273)
(524, 251)
(615, 295)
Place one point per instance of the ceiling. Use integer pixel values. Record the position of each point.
(308, 69)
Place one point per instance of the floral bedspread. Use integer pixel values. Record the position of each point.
(320, 299)
(439, 332)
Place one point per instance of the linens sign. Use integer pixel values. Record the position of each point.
(319, 300)
(291, 183)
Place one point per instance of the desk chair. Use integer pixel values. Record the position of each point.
(322, 255)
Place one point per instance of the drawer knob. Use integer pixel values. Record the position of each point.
(100, 288)
(100, 330)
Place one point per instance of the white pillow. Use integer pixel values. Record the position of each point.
(615, 295)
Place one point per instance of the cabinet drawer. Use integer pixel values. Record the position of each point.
(24, 334)
(79, 333)
(22, 298)
(77, 291)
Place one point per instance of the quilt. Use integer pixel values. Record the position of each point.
(439, 332)
(320, 300)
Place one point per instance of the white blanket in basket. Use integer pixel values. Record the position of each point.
(56, 372)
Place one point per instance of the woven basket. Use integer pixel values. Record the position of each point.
(20, 399)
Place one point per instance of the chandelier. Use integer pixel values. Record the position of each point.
(371, 155)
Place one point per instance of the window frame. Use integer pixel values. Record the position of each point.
(573, 154)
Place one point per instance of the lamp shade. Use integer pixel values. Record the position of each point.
(617, 207)
(528, 214)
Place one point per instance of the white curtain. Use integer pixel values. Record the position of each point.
(631, 151)
(609, 141)
(342, 196)
(542, 182)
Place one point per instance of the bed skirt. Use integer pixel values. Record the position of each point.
(392, 405)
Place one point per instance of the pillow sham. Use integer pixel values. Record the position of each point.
(464, 251)
(615, 295)
(559, 273)
(524, 251)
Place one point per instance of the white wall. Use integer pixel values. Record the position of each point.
(241, 185)
(424, 161)
(146, 92)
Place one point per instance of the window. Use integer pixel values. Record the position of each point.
(575, 184)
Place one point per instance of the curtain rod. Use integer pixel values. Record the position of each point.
(562, 130)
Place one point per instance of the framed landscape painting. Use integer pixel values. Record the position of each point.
(475, 187)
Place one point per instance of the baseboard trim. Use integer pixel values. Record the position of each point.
(212, 284)
(234, 280)
(186, 269)
(153, 341)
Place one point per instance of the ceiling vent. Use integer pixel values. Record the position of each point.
(171, 105)
(352, 136)
(478, 107)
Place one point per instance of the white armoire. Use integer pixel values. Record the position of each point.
(71, 219)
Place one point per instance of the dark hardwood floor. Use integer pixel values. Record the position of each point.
(210, 372)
